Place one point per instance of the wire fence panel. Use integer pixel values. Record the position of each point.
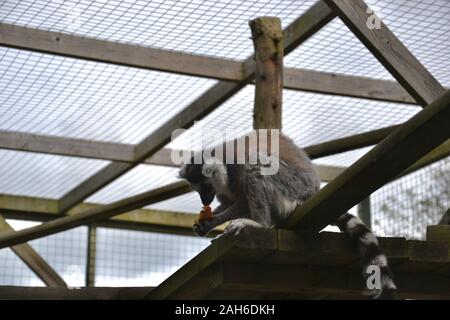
(408, 205)
(135, 258)
(65, 252)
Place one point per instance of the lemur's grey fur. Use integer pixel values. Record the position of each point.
(248, 198)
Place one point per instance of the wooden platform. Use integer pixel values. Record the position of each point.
(279, 264)
(84, 293)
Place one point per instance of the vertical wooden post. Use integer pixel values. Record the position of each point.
(91, 252)
(268, 42)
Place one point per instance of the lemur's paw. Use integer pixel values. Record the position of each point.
(201, 228)
(232, 230)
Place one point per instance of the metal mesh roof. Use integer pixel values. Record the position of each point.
(68, 97)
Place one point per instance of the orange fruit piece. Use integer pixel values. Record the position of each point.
(205, 213)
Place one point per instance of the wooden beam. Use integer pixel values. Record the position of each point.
(33, 260)
(24, 203)
(414, 139)
(349, 143)
(288, 258)
(63, 146)
(386, 47)
(92, 215)
(124, 152)
(91, 254)
(267, 39)
(91, 293)
(113, 151)
(26, 38)
(23, 141)
(437, 154)
(67, 45)
(345, 85)
(300, 30)
(148, 220)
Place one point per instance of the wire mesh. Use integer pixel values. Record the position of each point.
(65, 252)
(42, 175)
(214, 28)
(52, 95)
(134, 258)
(141, 178)
(406, 206)
(422, 26)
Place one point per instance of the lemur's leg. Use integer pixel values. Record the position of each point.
(259, 199)
(225, 212)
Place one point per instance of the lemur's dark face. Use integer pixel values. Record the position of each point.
(193, 173)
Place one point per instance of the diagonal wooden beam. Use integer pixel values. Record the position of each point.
(437, 154)
(388, 49)
(42, 209)
(33, 260)
(349, 143)
(95, 214)
(401, 149)
(299, 31)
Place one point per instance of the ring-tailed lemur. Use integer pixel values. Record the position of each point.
(248, 198)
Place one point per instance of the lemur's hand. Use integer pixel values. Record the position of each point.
(203, 225)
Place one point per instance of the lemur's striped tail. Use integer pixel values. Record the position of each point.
(367, 246)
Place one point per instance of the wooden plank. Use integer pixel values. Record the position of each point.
(93, 184)
(91, 254)
(118, 53)
(89, 216)
(40, 209)
(268, 43)
(345, 85)
(91, 293)
(249, 239)
(124, 152)
(119, 152)
(116, 152)
(437, 154)
(392, 54)
(24, 203)
(349, 143)
(414, 139)
(66, 146)
(194, 65)
(439, 233)
(300, 30)
(33, 260)
(330, 281)
(247, 266)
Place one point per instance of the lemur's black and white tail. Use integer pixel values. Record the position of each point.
(367, 246)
